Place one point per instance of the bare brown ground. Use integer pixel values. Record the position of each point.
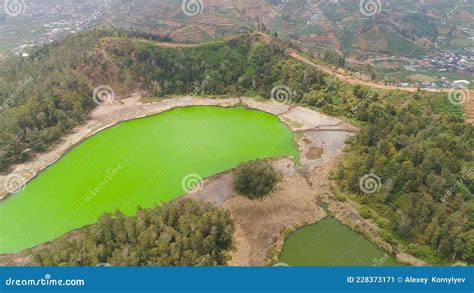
(260, 225)
(314, 153)
(469, 107)
(160, 44)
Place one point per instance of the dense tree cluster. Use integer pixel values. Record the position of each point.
(46, 94)
(243, 65)
(183, 233)
(333, 57)
(422, 157)
(425, 165)
(42, 97)
(255, 179)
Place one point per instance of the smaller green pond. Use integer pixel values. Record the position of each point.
(329, 243)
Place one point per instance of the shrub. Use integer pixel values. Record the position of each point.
(255, 179)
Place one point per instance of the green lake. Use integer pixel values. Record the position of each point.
(138, 163)
(329, 243)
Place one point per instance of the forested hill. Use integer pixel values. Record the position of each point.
(43, 96)
(422, 155)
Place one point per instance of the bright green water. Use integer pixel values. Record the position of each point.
(329, 243)
(137, 163)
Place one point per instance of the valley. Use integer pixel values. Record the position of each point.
(341, 132)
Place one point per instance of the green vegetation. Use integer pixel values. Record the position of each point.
(421, 154)
(441, 105)
(421, 158)
(143, 163)
(255, 179)
(44, 96)
(232, 67)
(333, 57)
(184, 233)
(59, 96)
(401, 45)
(43, 110)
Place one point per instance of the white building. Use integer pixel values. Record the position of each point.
(461, 83)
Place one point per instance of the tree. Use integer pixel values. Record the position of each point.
(183, 233)
(255, 179)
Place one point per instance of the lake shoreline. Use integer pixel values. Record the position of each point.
(314, 130)
(108, 115)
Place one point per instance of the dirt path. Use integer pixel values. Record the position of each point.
(468, 106)
(340, 73)
(160, 44)
(344, 76)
